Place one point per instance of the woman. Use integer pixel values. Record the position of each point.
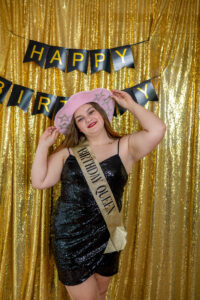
(80, 229)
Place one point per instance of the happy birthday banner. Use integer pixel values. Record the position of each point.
(77, 59)
(48, 104)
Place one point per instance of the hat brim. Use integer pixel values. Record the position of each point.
(101, 96)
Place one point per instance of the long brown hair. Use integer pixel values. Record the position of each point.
(74, 136)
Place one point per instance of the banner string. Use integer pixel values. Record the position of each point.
(155, 77)
(14, 34)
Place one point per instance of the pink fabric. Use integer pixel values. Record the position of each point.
(100, 96)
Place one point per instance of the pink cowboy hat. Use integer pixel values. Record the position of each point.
(100, 96)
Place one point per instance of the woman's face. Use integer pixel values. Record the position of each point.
(88, 120)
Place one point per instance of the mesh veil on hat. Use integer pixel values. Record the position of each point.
(100, 96)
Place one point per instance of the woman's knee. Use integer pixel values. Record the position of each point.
(102, 293)
(103, 283)
(88, 290)
(87, 297)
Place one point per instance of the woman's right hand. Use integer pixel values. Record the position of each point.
(49, 136)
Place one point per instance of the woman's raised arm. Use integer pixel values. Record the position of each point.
(46, 170)
(143, 142)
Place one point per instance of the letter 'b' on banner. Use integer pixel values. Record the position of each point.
(44, 104)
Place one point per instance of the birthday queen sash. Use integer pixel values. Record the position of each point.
(103, 196)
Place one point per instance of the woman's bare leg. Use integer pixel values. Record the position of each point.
(103, 283)
(94, 288)
(87, 290)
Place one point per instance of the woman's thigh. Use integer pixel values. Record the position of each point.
(87, 290)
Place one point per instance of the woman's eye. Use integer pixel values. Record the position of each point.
(79, 120)
(91, 112)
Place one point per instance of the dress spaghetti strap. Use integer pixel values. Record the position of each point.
(118, 146)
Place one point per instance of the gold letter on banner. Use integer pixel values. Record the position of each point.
(144, 92)
(2, 86)
(99, 60)
(56, 58)
(20, 96)
(77, 59)
(63, 101)
(37, 52)
(45, 104)
(122, 55)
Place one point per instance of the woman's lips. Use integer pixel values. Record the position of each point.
(92, 124)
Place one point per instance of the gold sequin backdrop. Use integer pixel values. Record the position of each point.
(161, 202)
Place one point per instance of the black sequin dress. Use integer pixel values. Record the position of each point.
(80, 234)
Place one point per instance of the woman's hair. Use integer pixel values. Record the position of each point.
(74, 136)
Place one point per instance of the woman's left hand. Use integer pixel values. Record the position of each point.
(122, 98)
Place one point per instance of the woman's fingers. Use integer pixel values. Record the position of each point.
(49, 136)
(51, 129)
(118, 92)
(51, 132)
(55, 133)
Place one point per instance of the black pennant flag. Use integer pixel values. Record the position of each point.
(100, 60)
(144, 92)
(141, 93)
(20, 96)
(60, 102)
(77, 60)
(119, 109)
(4, 87)
(56, 57)
(122, 57)
(44, 103)
(36, 52)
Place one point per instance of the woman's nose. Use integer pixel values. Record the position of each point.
(88, 119)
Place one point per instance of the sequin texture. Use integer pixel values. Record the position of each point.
(80, 234)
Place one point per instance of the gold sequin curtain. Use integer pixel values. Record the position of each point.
(161, 201)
